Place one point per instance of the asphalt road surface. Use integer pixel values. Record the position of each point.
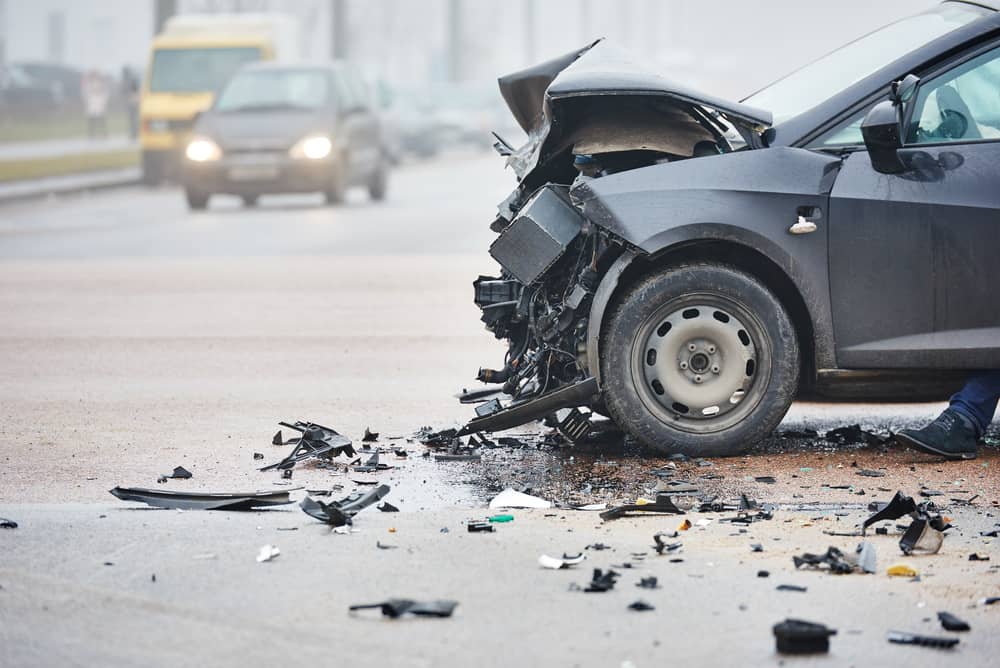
(136, 336)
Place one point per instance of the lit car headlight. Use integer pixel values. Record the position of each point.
(201, 149)
(312, 148)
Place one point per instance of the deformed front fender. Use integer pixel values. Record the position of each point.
(744, 200)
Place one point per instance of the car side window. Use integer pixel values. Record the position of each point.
(847, 133)
(963, 104)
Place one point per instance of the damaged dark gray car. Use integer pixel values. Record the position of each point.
(688, 265)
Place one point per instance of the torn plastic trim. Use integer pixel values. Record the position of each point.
(316, 441)
(204, 500)
(580, 393)
(340, 513)
(397, 607)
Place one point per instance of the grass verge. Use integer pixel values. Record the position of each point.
(37, 168)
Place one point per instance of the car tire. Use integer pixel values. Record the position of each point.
(699, 359)
(250, 201)
(196, 200)
(378, 186)
(152, 168)
(337, 189)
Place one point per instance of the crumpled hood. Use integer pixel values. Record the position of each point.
(541, 98)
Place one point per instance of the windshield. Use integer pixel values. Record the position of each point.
(197, 70)
(840, 69)
(275, 89)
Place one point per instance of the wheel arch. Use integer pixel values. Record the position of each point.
(632, 266)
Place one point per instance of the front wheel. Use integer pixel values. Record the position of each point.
(196, 200)
(700, 359)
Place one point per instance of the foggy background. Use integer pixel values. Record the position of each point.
(725, 47)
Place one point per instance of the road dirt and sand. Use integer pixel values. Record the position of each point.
(137, 337)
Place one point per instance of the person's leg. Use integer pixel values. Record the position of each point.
(977, 400)
(956, 432)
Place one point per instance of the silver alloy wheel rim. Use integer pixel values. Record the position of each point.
(700, 363)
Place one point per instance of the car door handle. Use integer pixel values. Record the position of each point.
(806, 220)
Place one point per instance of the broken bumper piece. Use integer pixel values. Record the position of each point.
(316, 441)
(339, 513)
(663, 504)
(203, 501)
(580, 393)
(397, 607)
(795, 636)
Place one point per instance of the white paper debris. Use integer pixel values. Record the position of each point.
(511, 499)
(267, 553)
(555, 563)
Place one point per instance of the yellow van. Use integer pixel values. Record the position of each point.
(189, 62)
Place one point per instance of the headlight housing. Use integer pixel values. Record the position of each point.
(202, 149)
(314, 147)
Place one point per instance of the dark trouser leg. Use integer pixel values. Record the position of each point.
(977, 400)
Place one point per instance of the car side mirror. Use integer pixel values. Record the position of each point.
(883, 134)
(882, 128)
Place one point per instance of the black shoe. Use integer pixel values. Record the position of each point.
(951, 435)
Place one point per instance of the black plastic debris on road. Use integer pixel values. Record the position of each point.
(641, 606)
(372, 465)
(766, 479)
(906, 638)
(315, 441)
(179, 473)
(663, 547)
(869, 473)
(788, 587)
(602, 581)
(339, 513)
(387, 507)
(925, 533)
(663, 505)
(975, 556)
(483, 526)
(203, 500)
(796, 636)
(258, 455)
(648, 583)
(397, 607)
(7, 524)
(855, 435)
(952, 623)
(833, 558)
(369, 436)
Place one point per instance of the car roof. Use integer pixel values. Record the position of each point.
(276, 66)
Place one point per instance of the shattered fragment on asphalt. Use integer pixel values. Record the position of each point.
(556, 563)
(906, 638)
(796, 636)
(372, 465)
(979, 557)
(315, 441)
(788, 587)
(397, 607)
(662, 546)
(641, 606)
(267, 553)
(7, 524)
(481, 527)
(833, 558)
(922, 537)
(510, 498)
(648, 583)
(602, 581)
(340, 513)
(867, 559)
(387, 507)
(868, 473)
(952, 623)
(203, 500)
(369, 436)
(901, 570)
(663, 504)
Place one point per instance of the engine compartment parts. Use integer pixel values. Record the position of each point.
(906, 638)
(538, 236)
(315, 441)
(663, 505)
(796, 636)
(397, 607)
(203, 500)
(341, 513)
